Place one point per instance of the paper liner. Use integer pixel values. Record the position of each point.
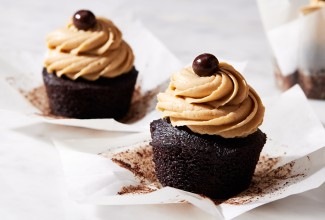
(105, 170)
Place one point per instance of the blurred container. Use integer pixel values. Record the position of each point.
(296, 32)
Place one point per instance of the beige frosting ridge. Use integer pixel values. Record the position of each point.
(313, 6)
(222, 104)
(97, 52)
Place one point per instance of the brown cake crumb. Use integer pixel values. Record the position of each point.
(139, 189)
(312, 81)
(266, 180)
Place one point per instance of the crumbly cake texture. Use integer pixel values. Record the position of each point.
(103, 98)
(204, 164)
(313, 85)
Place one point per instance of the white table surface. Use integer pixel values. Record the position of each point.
(32, 185)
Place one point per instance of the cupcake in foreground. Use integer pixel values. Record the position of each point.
(89, 69)
(208, 141)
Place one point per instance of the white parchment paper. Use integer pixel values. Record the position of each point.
(294, 133)
(297, 40)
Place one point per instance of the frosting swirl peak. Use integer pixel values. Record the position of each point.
(97, 52)
(221, 104)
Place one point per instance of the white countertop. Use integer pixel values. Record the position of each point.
(32, 185)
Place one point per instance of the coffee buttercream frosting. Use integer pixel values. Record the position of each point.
(221, 104)
(313, 6)
(91, 54)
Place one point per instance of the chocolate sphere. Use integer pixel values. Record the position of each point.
(205, 64)
(84, 19)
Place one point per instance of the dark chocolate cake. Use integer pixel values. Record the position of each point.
(103, 98)
(312, 84)
(89, 69)
(204, 164)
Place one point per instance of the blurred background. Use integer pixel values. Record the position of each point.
(231, 29)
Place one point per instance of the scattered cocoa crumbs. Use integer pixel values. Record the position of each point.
(267, 180)
(141, 104)
(38, 98)
(139, 162)
(265, 164)
(139, 189)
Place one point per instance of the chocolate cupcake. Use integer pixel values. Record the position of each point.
(310, 70)
(89, 69)
(208, 141)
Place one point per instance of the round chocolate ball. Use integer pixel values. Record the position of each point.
(84, 19)
(205, 64)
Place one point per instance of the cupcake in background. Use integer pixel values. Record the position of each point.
(296, 32)
(313, 6)
(311, 69)
(208, 141)
(89, 69)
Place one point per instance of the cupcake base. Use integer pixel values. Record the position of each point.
(312, 84)
(204, 164)
(83, 99)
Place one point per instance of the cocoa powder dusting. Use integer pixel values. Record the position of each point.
(141, 104)
(139, 189)
(266, 180)
(38, 98)
(139, 162)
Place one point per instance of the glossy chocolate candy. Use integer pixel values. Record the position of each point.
(205, 64)
(84, 19)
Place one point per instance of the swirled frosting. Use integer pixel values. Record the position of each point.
(222, 104)
(313, 6)
(97, 52)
